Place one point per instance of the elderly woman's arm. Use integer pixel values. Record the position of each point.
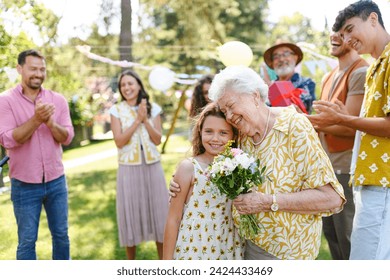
(309, 201)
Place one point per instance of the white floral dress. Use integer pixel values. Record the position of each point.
(207, 230)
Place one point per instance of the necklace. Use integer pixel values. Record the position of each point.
(265, 131)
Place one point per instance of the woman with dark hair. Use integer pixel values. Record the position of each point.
(142, 196)
(200, 95)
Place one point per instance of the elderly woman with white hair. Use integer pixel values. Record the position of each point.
(302, 186)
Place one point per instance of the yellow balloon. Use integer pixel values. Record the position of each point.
(235, 53)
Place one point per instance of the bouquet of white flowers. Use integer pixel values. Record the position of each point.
(234, 172)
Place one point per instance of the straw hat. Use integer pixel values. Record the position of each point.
(268, 53)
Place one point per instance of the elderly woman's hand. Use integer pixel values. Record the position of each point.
(252, 203)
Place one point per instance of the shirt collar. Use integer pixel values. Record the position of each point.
(19, 89)
(294, 77)
(282, 120)
(384, 55)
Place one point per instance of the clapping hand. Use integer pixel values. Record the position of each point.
(44, 112)
(142, 111)
(327, 113)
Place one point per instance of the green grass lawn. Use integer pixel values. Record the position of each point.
(92, 213)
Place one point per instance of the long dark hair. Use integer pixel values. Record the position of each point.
(198, 101)
(211, 109)
(141, 94)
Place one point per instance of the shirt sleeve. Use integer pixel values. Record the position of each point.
(387, 92)
(313, 165)
(65, 120)
(156, 110)
(7, 124)
(114, 111)
(356, 81)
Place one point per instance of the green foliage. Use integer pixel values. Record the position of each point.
(187, 33)
(10, 46)
(81, 110)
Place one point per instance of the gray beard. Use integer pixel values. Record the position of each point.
(285, 70)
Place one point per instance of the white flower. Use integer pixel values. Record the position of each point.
(244, 160)
(229, 165)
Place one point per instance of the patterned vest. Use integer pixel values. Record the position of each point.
(130, 154)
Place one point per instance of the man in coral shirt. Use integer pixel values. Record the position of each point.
(34, 123)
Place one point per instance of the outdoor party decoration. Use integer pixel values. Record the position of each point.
(86, 50)
(230, 53)
(161, 78)
(235, 53)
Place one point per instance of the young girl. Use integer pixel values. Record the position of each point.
(199, 224)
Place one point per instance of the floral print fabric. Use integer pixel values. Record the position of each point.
(207, 229)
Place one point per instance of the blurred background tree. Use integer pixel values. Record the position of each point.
(181, 35)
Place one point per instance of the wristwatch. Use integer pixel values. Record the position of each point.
(274, 205)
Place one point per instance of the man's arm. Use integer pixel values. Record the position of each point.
(328, 114)
(60, 133)
(43, 112)
(352, 107)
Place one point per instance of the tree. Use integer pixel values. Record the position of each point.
(183, 35)
(125, 36)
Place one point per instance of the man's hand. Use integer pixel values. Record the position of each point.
(44, 111)
(327, 113)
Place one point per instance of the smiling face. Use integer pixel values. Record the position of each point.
(338, 48)
(284, 61)
(239, 110)
(215, 133)
(359, 34)
(129, 89)
(33, 72)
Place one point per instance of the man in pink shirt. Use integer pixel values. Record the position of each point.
(34, 123)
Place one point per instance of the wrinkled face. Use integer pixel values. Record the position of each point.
(284, 61)
(33, 72)
(338, 47)
(239, 109)
(216, 132)
(358, 33)
(129, 88)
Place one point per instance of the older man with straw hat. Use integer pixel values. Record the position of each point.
(283, 58)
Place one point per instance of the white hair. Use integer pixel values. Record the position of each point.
(239, 78)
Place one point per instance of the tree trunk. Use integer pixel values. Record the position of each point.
(125, 36)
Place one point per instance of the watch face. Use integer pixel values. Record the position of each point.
(274, 207)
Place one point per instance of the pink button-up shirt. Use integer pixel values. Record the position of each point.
(41, 156)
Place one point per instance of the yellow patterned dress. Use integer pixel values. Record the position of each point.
(207, 230)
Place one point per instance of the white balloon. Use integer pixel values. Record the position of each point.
(235, 53)
(161, 78)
